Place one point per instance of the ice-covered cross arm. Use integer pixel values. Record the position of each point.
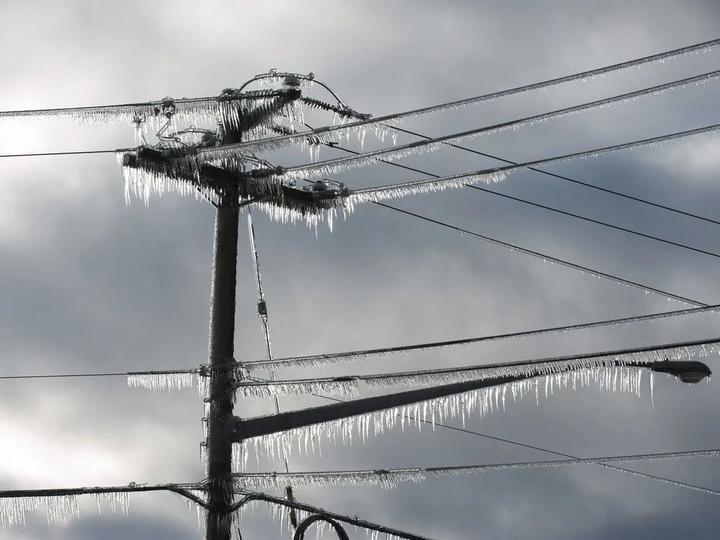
(689, 371)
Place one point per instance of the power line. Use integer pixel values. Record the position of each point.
(131, 110)
(498, 174)
(598, 222)
(647, 357)
(64, 153)
(548, 258)
(292, 361)
(547, 173)
(466, 431)
(275, 142)
(544, 207)
(391, 477)
(333, 165)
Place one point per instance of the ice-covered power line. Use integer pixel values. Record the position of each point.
(632, 472)
(334, 166)
(549, 258)
(499, 174)
(130, 111)
(148, 173)
(333, 357)
(653, 357)
(390, 478)
(226, 107)
(62, 504)
(558, 210)
(163, 376)
(544, 172)
(324, 132)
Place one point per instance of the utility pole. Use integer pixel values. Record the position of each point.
(221, 356)
(222, 379)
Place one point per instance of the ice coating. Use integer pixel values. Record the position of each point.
(639, 359)
(349, 356)
(391, 478)
(59, 509)
(345, 129)
(479, 402)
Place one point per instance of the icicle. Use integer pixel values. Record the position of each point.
(59, 510)
(391, 478)
(168, 381)
(115, 502)
(396, 191)
(350, 385)
(480, 402)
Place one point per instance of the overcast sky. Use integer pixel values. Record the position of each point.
(90, 284)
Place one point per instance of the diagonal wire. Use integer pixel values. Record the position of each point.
(549, 208)
(361, 353)
(633, 472)
(498, 174)
(548, 258)
(537, 254)
(265, 322)
(368, 158)
(553, 175)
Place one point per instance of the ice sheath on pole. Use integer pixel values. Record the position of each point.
(222, 379)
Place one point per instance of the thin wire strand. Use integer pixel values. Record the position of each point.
(549, 208)
(546, 173)
(466, 431)
(548, 258)
(401, 473)
(362, 353)
(65, 153)
(598, 222)
(500, 173)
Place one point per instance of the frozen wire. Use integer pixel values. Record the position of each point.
(390, 478)
(632, 472)
(557, 210)
(628, 357)
(282, 140)
(498, 174)
(333, 166)
(332, 357)
(541, 171)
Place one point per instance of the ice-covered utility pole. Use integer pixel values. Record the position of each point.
(222, 378)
